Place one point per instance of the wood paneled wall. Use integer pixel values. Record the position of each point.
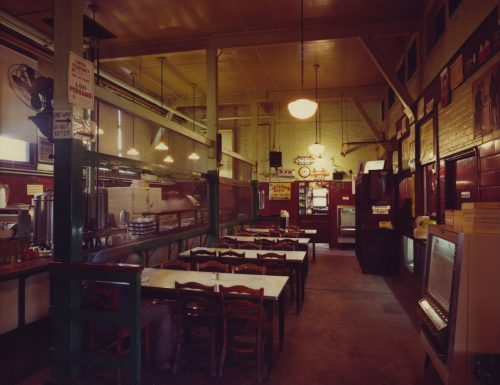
(489, 171)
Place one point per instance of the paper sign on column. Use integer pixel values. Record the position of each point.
(62, 127)
(80, 82)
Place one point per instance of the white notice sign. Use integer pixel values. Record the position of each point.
(62, 127)
(80, 81)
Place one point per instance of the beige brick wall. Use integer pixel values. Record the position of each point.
(293, 138)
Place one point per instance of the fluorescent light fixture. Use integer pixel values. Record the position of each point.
(161, 146)
(133, 152)
(194, 156)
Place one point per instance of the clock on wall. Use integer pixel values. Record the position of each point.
(304, 171)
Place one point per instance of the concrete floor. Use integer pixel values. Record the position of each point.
(354, 329)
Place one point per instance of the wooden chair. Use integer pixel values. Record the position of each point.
(232, 253)
(248, 246)
(249, 268)
(264, 243)
(245, 234)
(214, 266)
(227, 240)
(285, 246)
(202, 255)
(246, 328)
(196, 321)
(276, 265)
(175, 265)
(223, 245)
(106, 297)
(292, 242)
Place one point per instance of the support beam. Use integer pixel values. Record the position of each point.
(213, 175)
(389, 75)
(367, 119)
(316, 30)
(68, 177)
(364, 92)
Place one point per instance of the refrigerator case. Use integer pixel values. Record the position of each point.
(135, 200)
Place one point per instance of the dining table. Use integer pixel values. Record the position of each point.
(310, 232)
(295, 260)
(161, 283)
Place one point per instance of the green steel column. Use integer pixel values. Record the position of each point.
(255, 203)
(213, 175)
(68, 36)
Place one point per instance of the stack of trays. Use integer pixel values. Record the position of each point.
(454, 218)
(481, 217)
(142, 227)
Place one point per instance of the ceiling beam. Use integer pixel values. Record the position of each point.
(389, 75)
(315, 30)
(366, 118)
(372, 92)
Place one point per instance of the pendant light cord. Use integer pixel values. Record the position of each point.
(302, 44)
(133, 118)
(316, 66)
(194, 100)
(162, 60)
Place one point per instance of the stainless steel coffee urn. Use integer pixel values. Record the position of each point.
(43, 234)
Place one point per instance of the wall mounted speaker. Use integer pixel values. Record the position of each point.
(275, 159)
(338, 175)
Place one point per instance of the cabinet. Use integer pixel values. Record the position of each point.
(376, 240)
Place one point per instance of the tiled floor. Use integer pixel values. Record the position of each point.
(354, 329)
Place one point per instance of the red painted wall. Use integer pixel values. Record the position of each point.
(17, 186)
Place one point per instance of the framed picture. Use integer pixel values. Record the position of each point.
(444, 78)
(427, 141)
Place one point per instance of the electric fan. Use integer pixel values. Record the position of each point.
(36, 92)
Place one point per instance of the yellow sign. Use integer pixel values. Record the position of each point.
(385, 225)
(280, 191)
(34, 189)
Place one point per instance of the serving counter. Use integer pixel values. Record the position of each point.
(24, 293)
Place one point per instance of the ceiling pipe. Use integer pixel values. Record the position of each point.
(37, 37)
(243, 117)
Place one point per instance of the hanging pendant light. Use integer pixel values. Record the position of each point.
(194, 155)
(316, 148)
(302, 108)
(132, 151)
(168, 159)
(161, 146)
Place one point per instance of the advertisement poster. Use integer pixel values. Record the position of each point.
(80, 82)
(456, 73)
(427, 142)
(280, 191)
(486, 102)
(445, 88)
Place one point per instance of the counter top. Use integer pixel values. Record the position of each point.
(20, 269)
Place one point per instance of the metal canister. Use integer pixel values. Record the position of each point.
(44, 219)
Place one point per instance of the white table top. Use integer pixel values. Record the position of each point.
(165, 279)
(239, 238)
(264, 230)
(251, 254)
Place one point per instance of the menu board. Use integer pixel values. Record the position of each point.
(280, 191)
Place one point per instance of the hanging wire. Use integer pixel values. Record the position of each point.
(302, 44)
(161, 80)
(194, 101)
(133, 102)
(316, 67)
(342, 116)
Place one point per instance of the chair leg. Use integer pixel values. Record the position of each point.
(223, 354)
(178, 349)
(212, 351)
(119, 351)
(147, 346)
(259, 359)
